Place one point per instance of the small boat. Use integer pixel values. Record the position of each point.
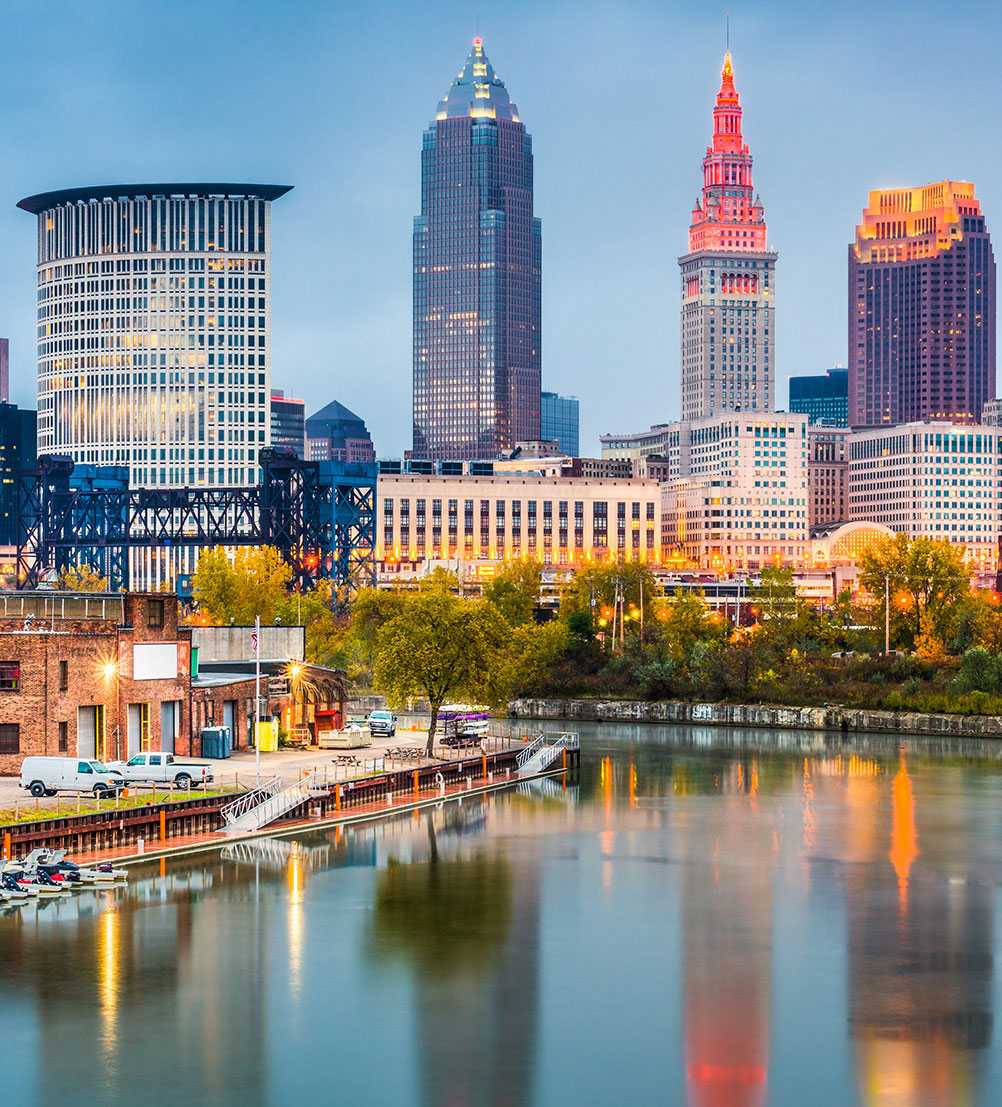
(87, 875)
(10, 881)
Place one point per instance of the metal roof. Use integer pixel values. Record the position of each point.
(45, 200)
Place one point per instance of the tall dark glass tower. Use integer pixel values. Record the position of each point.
(477, 264)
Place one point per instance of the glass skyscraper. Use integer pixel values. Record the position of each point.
(477, 263)
(824, 399)
(559, 418)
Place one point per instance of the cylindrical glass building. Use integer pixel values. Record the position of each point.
(153, 330)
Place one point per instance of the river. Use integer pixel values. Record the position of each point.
(706, 917)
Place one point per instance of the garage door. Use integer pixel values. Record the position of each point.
(86, 732)
(170, 719)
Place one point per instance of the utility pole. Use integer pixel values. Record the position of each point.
(887, 613)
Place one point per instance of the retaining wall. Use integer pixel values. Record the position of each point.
(840, 719)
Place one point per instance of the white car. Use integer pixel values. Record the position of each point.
(45, 776)
(157, 767)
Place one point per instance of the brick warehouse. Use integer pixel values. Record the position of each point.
(92, 675)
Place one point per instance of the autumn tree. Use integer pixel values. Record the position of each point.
(927, 580)
(255, 583)
(514, 591)
(442, 647)
(82, 578)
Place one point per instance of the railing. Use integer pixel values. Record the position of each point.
(247, 802)
(542, 754)
(273, 806)
(530, 751)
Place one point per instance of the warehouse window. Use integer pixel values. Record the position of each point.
(10, 738)
(10, 676)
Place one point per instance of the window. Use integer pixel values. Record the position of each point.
(10, 738)
(84, 767)
(64, 675)
(155, 613)
(10, 676)
(64, 737)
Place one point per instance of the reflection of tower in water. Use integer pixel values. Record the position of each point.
(920, 970)
(468, 920)
(727, 936)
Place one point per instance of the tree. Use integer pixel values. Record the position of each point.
(82, 578)
(927, 579)
(443, 647)
(326, 634)
(537, 650)
(371, 610)
(593, 590)
(514, 591)
(255, 583)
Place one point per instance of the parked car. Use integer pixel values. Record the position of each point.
(157, 767)
(45, 776)
(382, 723)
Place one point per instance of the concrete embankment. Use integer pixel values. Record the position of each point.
(843, 720)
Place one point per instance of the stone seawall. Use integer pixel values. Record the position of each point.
(842, 720)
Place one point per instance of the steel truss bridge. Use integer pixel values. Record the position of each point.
(320, 515)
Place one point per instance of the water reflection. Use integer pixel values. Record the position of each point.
(630, 937)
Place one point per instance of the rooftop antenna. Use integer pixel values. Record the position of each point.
(727, 31)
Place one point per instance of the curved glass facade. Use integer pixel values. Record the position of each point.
(153, 343)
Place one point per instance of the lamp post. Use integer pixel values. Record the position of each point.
(257, 698)
(887, 613)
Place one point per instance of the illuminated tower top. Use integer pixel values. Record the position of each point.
(728, 215)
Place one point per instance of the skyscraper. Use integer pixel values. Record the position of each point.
(288, 422)
(336, 434)
(477, 259)
(17, 452)
(559, 419)
(728, 279)
(921, 307)
(4, 370)
(824, 398)
(153, 335)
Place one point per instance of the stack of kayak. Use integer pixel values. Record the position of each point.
(46, 873)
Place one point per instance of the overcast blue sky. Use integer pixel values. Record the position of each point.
(332, 98)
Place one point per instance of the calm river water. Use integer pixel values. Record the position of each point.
(710, 918)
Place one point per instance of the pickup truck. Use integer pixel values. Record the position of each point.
(161, 768)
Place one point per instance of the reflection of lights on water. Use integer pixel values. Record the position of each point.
(809, 822)
(107, 976)
(607, 843)
(904, 837)
(295, 922)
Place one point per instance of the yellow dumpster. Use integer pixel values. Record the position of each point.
(266, 732)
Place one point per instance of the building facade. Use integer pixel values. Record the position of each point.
(288, 422)
(740, 500)
(921, 307)
(824, 399)
(4, 371)
(91, 675)
(827, 474)
(728, 279)
(560, 420)
(154, 335)
(477, 269)
(557, 520)
(17, 452)
(336, 434)
(933, 480)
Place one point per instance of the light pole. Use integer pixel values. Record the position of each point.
(257, 697)
(887, 613)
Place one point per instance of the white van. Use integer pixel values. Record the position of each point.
(45, 776)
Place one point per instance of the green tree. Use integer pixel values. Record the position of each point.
(514, 591)
(255, 583)
(82, 578)
(443, 647)
(593, 590)
(928, 579)
(537, 650)
(326, 633)
(371, 610)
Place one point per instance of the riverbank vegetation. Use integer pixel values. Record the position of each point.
(614, 635)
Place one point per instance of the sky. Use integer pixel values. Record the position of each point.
(333, 97)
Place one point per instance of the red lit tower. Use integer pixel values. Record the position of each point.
(728, 278)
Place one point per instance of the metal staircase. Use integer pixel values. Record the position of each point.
(539, 755)
(266, 804)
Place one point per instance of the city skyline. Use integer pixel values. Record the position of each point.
(604, 306)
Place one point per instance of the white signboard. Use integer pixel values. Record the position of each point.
(154, 661)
